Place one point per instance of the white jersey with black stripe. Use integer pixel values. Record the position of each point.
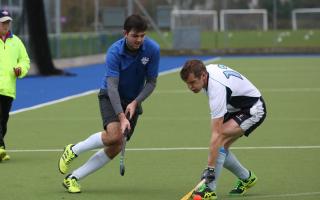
(229, 91)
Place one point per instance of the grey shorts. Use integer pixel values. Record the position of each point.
(108, 115)
(249, 119)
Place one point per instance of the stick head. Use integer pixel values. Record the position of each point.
(122, 170)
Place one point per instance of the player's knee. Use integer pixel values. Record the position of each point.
(113, 151)
(112, 138)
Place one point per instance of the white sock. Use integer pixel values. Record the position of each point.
(92, 142)
(233, 165)
(218, 168)
(94, 163)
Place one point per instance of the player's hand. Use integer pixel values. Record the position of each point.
(131, 108)
(208, 174)
(17, 71)
(124, 123)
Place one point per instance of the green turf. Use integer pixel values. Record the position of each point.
(250, 39)
(174, 117)
(78, 44)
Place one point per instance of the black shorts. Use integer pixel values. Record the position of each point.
(249, 119)
(108, 115)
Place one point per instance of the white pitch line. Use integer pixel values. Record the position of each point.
(54, 102)
(179, 148)
(91, 92)
(160, 91)
(276, 196)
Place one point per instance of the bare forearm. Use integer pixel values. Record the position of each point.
(213, 149)
(216, 140)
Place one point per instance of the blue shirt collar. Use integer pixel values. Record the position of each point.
(123, 47)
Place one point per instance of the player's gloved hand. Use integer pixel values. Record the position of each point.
(208, 174)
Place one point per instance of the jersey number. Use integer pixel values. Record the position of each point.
(229, 73)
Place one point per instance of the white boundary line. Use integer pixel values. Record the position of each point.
(159, 92)
(91, 92)
(180, 148)
(54, 102)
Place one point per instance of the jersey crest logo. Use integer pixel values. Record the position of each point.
(144, 60)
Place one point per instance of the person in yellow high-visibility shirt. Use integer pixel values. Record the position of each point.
(14, 63)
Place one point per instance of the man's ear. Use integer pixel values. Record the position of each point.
(203, 75)
(125, 33)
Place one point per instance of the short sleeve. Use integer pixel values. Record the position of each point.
(153, 68)
(217, 99)
(112, 63)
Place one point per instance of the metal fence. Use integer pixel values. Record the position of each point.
(84, 27)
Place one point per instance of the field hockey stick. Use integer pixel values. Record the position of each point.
(123, 149)
(188, 195)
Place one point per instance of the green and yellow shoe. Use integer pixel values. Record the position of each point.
(205, 193)
(243, 185)
(3, 154)
(71, 184)
(6, 157)
(66, 158)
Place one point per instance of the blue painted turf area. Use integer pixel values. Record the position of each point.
(35, 90)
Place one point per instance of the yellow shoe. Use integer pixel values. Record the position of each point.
(6, 157)
(204, 193)
(71, 184)
(66, 159)
(2, 154)
(243, 185)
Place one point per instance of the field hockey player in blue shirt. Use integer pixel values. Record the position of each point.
(131, 72)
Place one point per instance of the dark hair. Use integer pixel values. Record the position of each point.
(135, 22)
(192, 66)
